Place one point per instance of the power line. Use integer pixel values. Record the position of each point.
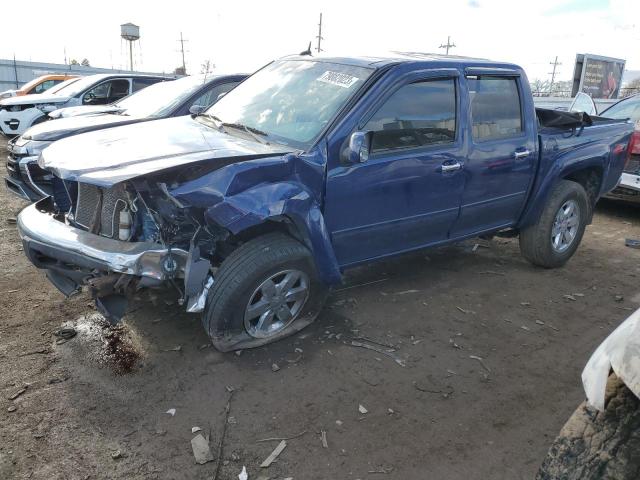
(448, 45)
(319, 36)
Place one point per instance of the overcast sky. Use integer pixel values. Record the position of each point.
(241, 36)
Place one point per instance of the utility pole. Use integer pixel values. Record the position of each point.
(15, 70)
(319, 36)
(182, 40)
(555, 64)
(448, 45)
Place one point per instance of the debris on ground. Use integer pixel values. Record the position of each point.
(116, 454)
(243, 474)
(464, 310)
(569, 297)
(632, 243)
(227, 411)
(35, 352)
(201, 451)
(481, 361)
(525, 304)
(388, 352)
(406, 292)
(619, 298)
(12, 220)
(362, 410)
(195, 429)
(384, 470)
(66, 333)
(18, 393)
(323, 436)
(274, 455)
(171, 411)
(278, 439)
(177, 348)
(492, 272)
(12, 408)
(275, 367)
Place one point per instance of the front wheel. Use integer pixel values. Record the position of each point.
(554, 238)
(265, 290)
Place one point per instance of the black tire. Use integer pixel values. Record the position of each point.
(596, 445)
(535, 240)
(241, 274)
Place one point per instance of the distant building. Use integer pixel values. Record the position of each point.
(15, 74)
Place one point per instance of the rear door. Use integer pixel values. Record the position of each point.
(502, 155)
(407, 193)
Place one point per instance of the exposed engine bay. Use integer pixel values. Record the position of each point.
(143, 212)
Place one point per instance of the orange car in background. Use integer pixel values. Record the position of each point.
(37, 85)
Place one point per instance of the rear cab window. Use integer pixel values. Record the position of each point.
(416, 115)
(496, 108)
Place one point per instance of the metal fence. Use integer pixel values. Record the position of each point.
(15, 73)
(624, 93)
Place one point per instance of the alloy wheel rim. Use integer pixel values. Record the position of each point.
(276, 303)
(565, 226)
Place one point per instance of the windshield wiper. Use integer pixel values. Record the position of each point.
(254, 132)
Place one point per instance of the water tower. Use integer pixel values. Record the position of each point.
(130, 33)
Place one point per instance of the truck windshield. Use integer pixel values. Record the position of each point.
(290, 101)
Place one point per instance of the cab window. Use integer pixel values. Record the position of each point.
(416, 115)
(210, 97)
(107, 92)
(496, 111)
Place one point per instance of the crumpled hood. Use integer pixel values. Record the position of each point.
(619, 352)
(65, 127)
(110, 156)
(34, 98)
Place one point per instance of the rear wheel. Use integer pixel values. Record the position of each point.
(554, 238)
(265, 290)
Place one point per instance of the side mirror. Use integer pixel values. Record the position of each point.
(359, 146)
(196, 109)
(583, 103)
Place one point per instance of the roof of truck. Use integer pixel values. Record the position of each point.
(401, 57)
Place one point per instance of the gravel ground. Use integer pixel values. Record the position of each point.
(94, 406)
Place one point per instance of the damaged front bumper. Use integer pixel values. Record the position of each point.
(73, 257)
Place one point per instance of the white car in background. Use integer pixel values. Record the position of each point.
(17, 114)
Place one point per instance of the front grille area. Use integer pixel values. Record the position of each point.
(98, 209)
(634, 164)
(87, 205)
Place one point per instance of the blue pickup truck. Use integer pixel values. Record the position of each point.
(254, 208)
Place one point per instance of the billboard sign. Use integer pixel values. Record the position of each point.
(598, 77)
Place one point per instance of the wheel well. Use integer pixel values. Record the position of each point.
(281, 224)
(590, 179)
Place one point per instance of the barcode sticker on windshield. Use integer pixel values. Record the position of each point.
(340, 79)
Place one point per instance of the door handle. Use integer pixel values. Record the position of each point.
(451, 167)
(521, 154)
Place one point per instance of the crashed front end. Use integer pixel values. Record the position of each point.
(119, 239)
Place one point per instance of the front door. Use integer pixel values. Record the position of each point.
(407, 193)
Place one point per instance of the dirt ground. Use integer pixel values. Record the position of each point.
(94, 406)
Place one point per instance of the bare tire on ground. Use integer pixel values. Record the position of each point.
(598, 445)
(554, 238)
(265, 290)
